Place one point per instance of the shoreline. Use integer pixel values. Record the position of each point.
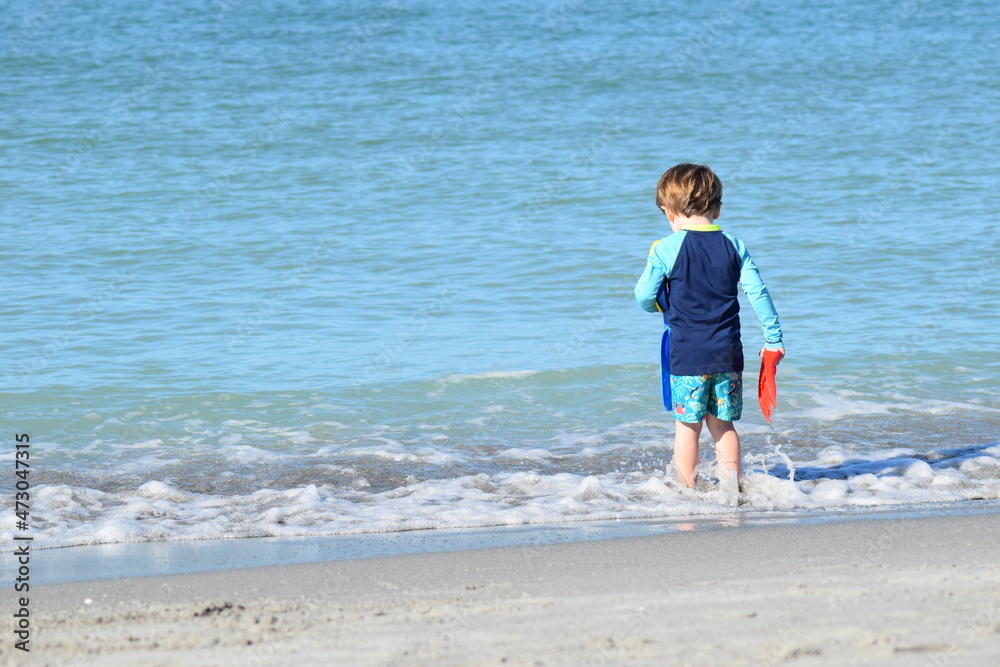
(913, 591)
(122, 560)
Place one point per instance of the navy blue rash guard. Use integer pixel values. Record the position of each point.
(703, 268)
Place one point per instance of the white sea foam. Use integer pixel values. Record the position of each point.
(489, 375)
(526, 454)
(397, 452)
(832, 407)
(247, 453)
(835, 479)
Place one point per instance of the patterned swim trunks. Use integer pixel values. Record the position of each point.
(717, 394)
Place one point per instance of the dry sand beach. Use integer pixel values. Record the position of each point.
(868, 592)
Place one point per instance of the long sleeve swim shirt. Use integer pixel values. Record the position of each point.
(703, 268)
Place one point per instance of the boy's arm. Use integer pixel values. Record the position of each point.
(662, 255)
(661, 259)
(759, 297)
(649, 283)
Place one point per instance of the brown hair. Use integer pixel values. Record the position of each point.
(689, 189)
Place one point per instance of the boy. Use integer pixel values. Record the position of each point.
(702, 267)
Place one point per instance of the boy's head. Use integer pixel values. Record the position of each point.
(689, 190)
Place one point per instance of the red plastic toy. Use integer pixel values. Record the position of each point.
(767, 389)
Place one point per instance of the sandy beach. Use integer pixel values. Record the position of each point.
(868, 592)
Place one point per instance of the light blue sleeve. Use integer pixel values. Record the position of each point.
(662, 255)
(759, 297)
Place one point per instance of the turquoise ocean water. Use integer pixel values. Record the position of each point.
(323, 267)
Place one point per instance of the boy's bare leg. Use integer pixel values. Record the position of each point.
(686, 451)
(727, 446)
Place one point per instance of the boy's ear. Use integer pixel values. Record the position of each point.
(670, 216)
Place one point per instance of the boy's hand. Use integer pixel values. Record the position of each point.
(780, 351)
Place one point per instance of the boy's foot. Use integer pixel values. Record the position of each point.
(704, 484)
